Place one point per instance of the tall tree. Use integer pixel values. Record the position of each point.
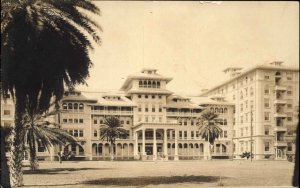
(110, 130)
(209, 129)
(39, 130)
(5, 132)
(44, 47)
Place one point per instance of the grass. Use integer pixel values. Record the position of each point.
(160, 174)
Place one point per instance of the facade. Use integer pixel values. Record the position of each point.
(161, 125)
(269, 95)
(259, 105)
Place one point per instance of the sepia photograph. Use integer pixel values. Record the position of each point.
(149, 94)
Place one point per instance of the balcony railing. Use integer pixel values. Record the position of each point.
(280, 129)
(280, 101)
(182, 114)
(280, 144)
(112, 112)
(280, 114)
(280, 88)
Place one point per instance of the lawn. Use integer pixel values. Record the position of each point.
(161, 174)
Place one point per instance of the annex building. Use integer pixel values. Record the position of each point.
(164, 126)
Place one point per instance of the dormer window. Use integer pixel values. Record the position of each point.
(158, 84)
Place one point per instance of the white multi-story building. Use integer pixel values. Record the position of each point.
(270, 94)
(161, 125)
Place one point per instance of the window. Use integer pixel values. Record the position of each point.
(225, 110)
(184, 123)
(289, 118)
(158, 84)
(153, 109)
(159, 96)
(122, 122)
(241, 95)
(146, 109)
(80, 133)
(70, 120)
(289, 90)
(95, 133)
(6, 112)
(70, 106)
(180, 134)
(140, 83)
(225, 121)
(241, 107)
(139, 108)
(65, 106)
(41, 147)
(185, 134)
(289, 146)
(75, 106)
(127, 122)
(192, 134)
(289, 105)
(267, 91)
(242, 132)
(267, 146)
(139, 96)
(153, 96)
(267, 131)
(81, 106)
(95, 121)
(80, 120)
(192, 122)
(160, 109)
(225, 134)
(75, 120)
(75, 133)
(267, 116)
(65, 120)
(267, 103)
(146, 96)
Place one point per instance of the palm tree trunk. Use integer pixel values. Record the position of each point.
(32, 150)
(5, 180)
(111, 151)
(16, 173)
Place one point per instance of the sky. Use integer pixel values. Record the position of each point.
(192, 42)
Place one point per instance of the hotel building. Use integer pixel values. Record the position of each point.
(266, 100)
(164, 126)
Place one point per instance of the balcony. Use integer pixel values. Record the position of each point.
(280, 101)
(280, 88)
(280, 115)
(280, 129)
(112, 112)
(185, 114)
(280, 144)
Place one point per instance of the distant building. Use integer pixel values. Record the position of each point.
(271, 92)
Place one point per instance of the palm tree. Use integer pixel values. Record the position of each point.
(5, 132)
(37, 129)
(110, 130)
(209, 129)
(44, 47)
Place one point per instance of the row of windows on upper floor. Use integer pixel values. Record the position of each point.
(73, 120)
(152, 96)
(249, 79)
(73, 106)
(149, 84)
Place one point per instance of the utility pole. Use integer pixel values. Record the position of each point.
(251, 134)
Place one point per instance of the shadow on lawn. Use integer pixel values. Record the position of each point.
(60, 170)
(143, 181)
